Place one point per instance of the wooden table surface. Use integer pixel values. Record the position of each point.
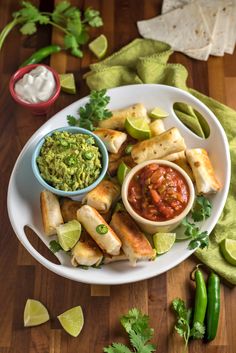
(21, 277)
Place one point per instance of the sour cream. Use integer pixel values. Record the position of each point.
(36, 86)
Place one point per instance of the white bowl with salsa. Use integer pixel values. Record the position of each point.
(158, 194)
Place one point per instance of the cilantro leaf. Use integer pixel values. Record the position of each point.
(93, 17)
(72, 121)
(202, 209)
(117, 348)
(198, 238)
(28, 28)
(70, 42)
(55, 246)
(58, 13)
(197, 331)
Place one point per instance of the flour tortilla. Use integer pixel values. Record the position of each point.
(229, 49)
(222, 27)
(185, 29)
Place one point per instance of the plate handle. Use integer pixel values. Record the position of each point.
(41, 259)
(187, 98)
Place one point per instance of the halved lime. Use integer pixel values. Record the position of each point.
(35, 313)
(138, 128)
(67, 82)
(72, 320)
(68, 234)
(99, 46)
(228, 249)
(158, 113)
(163, 242)
(122, 171)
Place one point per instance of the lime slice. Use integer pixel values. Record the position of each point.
(35, 313)
(158, 113)
(68, 234)
(122, 171)
(99, 46)
(163, 242)
(228, 249)
(72, 320)
(67, 82)
(138, 128)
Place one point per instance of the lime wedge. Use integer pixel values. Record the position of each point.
(67, 82)
(35, 313)
(68, 234)
(122, 171)
(163, 242)
(138, 128)
(72, 320)
(99, 46)
(228, 249)
(158, 113)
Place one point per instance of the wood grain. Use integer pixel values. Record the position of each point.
(21, 277)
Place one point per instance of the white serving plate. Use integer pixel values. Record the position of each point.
(24, 190)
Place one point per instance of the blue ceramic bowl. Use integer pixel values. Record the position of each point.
(78, 194)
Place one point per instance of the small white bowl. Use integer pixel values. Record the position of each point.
(149, 226)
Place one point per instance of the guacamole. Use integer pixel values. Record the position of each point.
(69, 162)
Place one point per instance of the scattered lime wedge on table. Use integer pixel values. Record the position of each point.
(138, 128)
(35, 313)
(99, 46)
(163, 242)
(68, 234)
(228, 249)
(158, 113)
(122, 171)
(67, 82)
(72, 320)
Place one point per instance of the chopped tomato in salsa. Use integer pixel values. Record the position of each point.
(158, 192)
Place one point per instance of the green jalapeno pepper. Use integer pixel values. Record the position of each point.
(42, 53)
(200, 298)
(213, 307)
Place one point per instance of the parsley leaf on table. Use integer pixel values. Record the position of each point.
(136, 325)
(93, 111)
(202, 209)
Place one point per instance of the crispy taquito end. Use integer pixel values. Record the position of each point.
(103, 196)
(206, 181)
(69, 209)
(89, 217)
(51, 212)
(157, 127)
(159, 146)
(109, 258)
(134, 243)
(113, 166)
(86, 253)
(117, 121)
(112, 139)
(180, 159)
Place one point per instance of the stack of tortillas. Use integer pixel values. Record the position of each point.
(198, 28)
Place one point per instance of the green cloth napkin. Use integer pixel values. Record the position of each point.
(145, 61)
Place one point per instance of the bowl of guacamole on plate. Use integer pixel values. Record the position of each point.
(70, 161)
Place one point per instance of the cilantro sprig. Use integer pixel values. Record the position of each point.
(200, 212)
(55, 246)
(183, 323)
(65, 17)
(136, 325)
(93, 111)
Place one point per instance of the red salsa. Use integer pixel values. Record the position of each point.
(158, 192)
